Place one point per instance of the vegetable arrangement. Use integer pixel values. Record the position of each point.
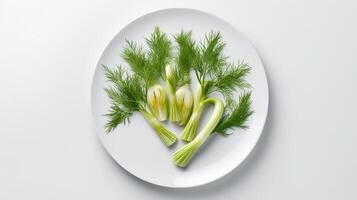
(171, 62)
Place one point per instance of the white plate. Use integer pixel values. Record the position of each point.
(137, 149)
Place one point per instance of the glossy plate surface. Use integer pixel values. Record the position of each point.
(137, 149)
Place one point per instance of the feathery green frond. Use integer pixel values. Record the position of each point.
(128, 87)
(134, 55)
(113, 75)
(231, 77)
(187, 52)
(126, 94)
(160, 50)
(236, 115)
(212, 51)
(211, 57)
(138, 62)
(116, 116)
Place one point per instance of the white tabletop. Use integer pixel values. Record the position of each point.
(48, 53)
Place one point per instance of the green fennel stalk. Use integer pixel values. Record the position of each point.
(224, 118)
(183, 156)
(171, 83)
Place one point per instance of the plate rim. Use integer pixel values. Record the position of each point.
(244, 158)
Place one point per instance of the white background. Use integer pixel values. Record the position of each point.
(48, 53)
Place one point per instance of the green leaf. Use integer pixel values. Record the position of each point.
(212, 52)
(236, 115)
(126, 94)
(210, 58)
(116, 116)
(160, 51)
(139, 63)
(187, 52)
(230, 78)
(135, 56)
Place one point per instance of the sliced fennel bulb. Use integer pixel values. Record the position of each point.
(184, 101)
(157, 102)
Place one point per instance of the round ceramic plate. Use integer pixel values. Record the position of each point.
(135, 146)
